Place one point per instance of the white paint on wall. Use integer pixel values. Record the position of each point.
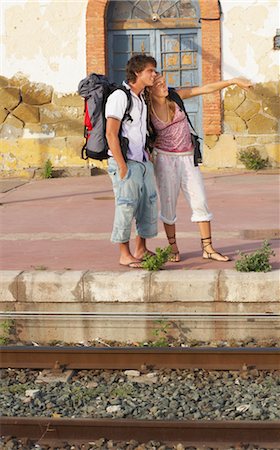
(248, 28)
(45, 40)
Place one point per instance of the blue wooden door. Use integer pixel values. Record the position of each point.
(179, 61)
(123, 44)
(177, 55)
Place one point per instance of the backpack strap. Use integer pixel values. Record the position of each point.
(177, 99)
(126, 115)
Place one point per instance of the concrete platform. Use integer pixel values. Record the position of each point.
(56, 256)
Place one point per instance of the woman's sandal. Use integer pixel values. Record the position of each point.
(174, 256)
(210, 255)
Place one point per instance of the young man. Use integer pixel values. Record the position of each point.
(133, 178)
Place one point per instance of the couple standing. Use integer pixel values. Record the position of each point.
(133, 179)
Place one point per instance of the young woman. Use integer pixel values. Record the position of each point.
(174, 162)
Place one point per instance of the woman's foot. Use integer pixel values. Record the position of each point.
(210, 253)
(174, 255)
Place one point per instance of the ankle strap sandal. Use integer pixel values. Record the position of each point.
(215, 256)
(174, 256)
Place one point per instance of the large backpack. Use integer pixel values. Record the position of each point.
(95, 89)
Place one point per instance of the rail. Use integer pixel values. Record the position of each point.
(225, 358)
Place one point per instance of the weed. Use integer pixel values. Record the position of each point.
(257, 261)
(252, 159)
(122, 391)
(155, 262)
(47, 169)
(7, 329)
(160, 333)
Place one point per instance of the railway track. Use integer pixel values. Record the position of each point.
(188, 432)
(228, 358)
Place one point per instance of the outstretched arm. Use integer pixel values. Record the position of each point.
(243, 83)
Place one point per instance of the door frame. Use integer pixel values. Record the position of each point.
(210, 17)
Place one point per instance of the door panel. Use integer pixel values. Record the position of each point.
(179, 61)
(177, 55)
(122, 45)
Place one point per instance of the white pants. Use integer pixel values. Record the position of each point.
(175, 172)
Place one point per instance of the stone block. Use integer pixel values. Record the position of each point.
(271, 106)
(210, 140)
(12, 128)
(9, 97)
(244, 141)
(3, 114)
(18, 80)
(68, 99)
(273, 153)
(234, 123)
(223, 154)
(75, 144)
(268, 139)
(51, 287)
(262, 91)
(250, 287)
(70, 128)
(54, 114)
(38, 130)
(116, 287)
(261, 124)
(4, 82)
(233, 98)
(36, 93)
(27, 113)
(248, 109)
(8, 285)
(184, 286)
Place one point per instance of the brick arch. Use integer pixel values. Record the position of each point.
(96, 49)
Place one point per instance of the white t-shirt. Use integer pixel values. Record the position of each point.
(136, 130)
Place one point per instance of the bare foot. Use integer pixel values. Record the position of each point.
(141, 253)
(133, 265)
(130, 261)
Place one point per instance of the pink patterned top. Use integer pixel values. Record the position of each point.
(174, 136)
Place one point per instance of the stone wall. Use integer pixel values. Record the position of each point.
(37, 124)
(251, 119)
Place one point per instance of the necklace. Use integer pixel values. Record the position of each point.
(165, 111)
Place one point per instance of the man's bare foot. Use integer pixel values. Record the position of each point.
(141, 253)
(130, 261)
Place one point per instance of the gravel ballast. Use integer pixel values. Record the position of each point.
(162, 394)
(104, 444)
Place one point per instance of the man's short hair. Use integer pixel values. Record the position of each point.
(136, 64)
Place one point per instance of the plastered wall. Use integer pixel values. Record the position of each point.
(44, 42)
(248, 30)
